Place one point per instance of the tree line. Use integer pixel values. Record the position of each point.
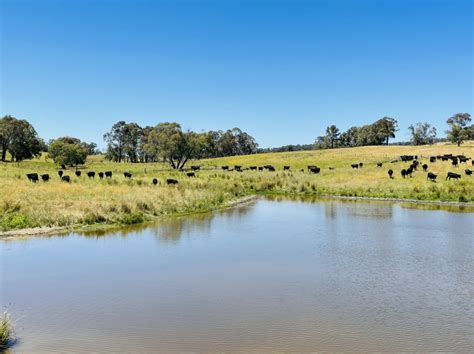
(379, 133)
(169, 142)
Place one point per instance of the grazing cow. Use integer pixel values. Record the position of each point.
(455, 163)
(171, 181)
(45, 177)
(425, 167)
(191, 174)
(155, 181)
(355, 165)
(406, 158)
(238, 168)
(453, 175)
(66, 179)
(253, 168)
(433, 159)
(260, 168)
(101, 175)
(314, 169)
(379, 164)
(431, 176)
(472, 162)
(468, 172)
(403, 173)
(78, 173)
(361, 164)
(127, 175)
(225, 168)
(108, 174)
(286, 168)
(60, 173)
(63, 166)
(390, 173)
(409, 171)
(271, 168)
(32, 177)
(91, 174)
(195, 168)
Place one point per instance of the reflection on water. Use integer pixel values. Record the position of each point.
(279, 274)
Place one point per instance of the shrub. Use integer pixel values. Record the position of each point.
(134, 218)
(6, 332)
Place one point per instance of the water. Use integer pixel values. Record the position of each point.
(273, 275)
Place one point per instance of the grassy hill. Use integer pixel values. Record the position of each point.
(119, 201)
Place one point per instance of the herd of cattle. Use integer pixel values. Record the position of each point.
(405, 172)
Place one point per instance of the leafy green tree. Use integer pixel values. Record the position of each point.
(67, 152)
(459, 130)
(19, 138)
(422, 133)
(332, 135)
(116, 140)
(386, 128)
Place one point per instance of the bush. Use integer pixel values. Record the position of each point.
(6, 332)
(134, 218)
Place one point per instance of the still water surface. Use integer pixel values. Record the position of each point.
(273, 275)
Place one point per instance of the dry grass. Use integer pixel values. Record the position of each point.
(25, 205)
(6, 331)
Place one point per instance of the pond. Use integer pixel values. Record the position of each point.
(273, 275)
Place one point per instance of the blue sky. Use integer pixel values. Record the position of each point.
(281, 70)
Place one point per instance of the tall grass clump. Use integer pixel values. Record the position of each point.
(7, 335)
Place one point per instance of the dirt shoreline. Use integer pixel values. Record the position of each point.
(42, 231)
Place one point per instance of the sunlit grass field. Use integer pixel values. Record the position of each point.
(24, 204)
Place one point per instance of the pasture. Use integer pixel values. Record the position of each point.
(121, 200)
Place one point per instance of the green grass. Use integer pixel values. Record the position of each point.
(6, 331)
(120, 201)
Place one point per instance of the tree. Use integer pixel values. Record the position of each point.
(459, 130)
(386, 128)
(116, 140)
(66, 151)
(422, 133)
(19, 138)
(332, 134)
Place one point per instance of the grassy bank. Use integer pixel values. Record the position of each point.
(120, 201)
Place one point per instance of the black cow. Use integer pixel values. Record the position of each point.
(403, 173)
(155, 181)
(472, 162)
(409, 171)
(66, 179)
(195, 168)
(63, 166)
(238, 168)
(468, 172)
(390, 173)
(431, 176)
(455, 162)
(286, 168)
(32, 177)
(379, 164)
(127, 174)
(101, 175)
(225, 168)
(433, 159)
(260, 168)
(91, 174)
(108, 174)
(253, 168)
(191, 174)
(60, 173)
(171, 181)
(355, 165)
(271, 168)
(314, 169)
(45, 177)
(361, 164)
(453, 175)
(78, 173)
(425, 167)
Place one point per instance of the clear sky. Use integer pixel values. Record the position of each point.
(280, 70)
